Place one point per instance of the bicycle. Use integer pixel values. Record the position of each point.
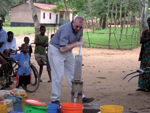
(140, 71)
(12, 73)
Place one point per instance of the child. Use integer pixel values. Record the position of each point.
(11, 45)
(24, 72)
(27, 40)
(48, 65)
(41, 42)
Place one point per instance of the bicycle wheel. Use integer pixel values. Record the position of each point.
(35, 81)
(3, 82)
(5, 79)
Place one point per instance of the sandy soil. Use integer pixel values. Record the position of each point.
(102, 72)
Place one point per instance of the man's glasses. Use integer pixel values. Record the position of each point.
(78, 27)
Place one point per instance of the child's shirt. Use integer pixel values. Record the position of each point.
(11, 45)
(24, 61)
(38, 48)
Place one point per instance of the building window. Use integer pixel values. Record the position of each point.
(49, 15)
(61, 16)
(43, 15)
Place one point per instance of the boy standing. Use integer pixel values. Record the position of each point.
(41, 42)
(24, 72)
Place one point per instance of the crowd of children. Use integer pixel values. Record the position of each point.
(23, 58)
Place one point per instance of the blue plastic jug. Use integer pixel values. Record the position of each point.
(52, 108)
(17, 102)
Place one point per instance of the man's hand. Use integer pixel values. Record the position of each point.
(81, 42)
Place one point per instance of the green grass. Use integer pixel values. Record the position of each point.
(94, 38)
(6, 24)
(104, 38)
(20, 30)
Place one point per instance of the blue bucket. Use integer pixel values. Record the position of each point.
(16, 112)
(52, 108)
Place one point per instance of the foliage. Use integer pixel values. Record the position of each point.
(4, 9)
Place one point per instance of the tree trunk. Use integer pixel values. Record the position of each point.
(107, 15)
(100, 23)
(88, 4)
(121, 24)
(116, 15)
(66, 10)
(104, 23)
(35, 18)
(125, 13)
(143, 13)
(110, 25)
(3, 18)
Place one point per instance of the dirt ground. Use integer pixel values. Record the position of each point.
(102, 72)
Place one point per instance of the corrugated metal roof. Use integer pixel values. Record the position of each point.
(44, 6)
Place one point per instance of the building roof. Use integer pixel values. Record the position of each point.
(44, 6)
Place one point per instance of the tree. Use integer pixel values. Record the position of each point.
(143, 11)
(35, 18)
(4, 9)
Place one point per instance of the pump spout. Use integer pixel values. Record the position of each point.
(75, 96)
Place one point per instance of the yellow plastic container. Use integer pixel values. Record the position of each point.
(24, 97)
(3, 107)
(111, 109)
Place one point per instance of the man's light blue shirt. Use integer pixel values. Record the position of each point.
(3, 38)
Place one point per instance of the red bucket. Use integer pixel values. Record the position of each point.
(71, 108)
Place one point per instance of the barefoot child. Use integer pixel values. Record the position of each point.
(26, 41)
(24, 72)
(41, 42)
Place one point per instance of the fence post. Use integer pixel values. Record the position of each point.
(88, 39)
(116, 40)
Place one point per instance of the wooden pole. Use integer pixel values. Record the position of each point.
(135, 38)
(89, 8)
(132, 37)
(116, 15)
(88, 39)
(116, 40)
(125, 12)
(120, 19)
(110, 24)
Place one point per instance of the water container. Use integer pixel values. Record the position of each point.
(1, 98)
(71, 108)
(4, 94)
(20, 91)
(24, 97)
(16, 112)
(9, 104)
(15, 90)
(52, 108)
(17, 102)
(3, 107)
(111, 109)
(35, 106)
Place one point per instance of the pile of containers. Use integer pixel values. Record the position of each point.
(16, 101)
(12, 101)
